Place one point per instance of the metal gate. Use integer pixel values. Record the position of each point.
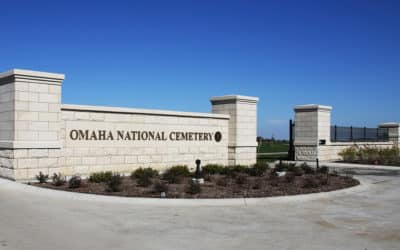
(291, 152)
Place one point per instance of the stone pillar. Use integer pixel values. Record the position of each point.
(242, 146)
(312, 128)
(30, 116)
(394, 132)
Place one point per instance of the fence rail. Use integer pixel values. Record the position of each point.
(361, 134)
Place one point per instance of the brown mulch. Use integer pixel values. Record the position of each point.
(218, 186)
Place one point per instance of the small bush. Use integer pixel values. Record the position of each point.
(212, 169)
(258, 169)
(235, 170)
(75, 182)
(307, 169)
(371, 155)
(114, 184)
(176, 174)
(323, 170)
(349, 154)
(241, 179)
(159, 187)
(193, 187)
(222, 181)
(99, 177)
(144, 176)
(42, 178)
(310, 182)
(58, 179)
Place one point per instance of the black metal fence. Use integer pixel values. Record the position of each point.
(354, 134)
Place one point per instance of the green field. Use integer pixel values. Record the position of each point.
(273, 147)
(270, 149)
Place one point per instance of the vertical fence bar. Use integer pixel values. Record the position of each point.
(291, 153)
(365, 133)
(351, 133)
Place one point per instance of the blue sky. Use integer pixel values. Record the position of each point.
(177, 54)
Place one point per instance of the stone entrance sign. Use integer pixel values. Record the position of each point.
(38, 133)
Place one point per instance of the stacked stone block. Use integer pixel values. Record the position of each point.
(30, 136)
(35, 132)
(242, 126)
(312, 128)
(84, 157)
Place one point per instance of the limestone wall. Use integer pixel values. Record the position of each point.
(125, 154)
(312, 135)
(39, 134)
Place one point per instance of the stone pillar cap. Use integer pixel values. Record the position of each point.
(29, 73)
(389, 125)
(312, 107)
(234, 98)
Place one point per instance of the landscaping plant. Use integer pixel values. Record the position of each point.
(58, 179)
(144, 176)
(176, 174)
(114, 184)
(42, 178)
(75, 182)
(99, 177)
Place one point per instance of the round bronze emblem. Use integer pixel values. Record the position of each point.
(218, 136)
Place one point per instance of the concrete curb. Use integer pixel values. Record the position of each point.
(72, 196)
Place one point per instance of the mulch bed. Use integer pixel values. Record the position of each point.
(219, 186)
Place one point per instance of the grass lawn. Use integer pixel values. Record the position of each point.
(273, 147)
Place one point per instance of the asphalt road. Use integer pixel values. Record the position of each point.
(363, 218)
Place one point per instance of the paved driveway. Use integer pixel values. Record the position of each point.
(363, 218)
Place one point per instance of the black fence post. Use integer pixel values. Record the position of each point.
(365, 134)
(291, 153)
(351, 133)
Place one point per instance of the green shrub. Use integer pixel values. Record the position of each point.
(159, 187)
(75, 182)
(258, 169)
(212, 169)
(310, 182)
(235, 170)
(42, 178)
(323, 170)
(144, 176)
(58, 179)
(176, 174)
(193, 187)
(349, 154)
(307, 169)
(99, 177)
(371, 155)
(114, 184)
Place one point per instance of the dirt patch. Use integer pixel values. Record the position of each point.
(221, 186)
